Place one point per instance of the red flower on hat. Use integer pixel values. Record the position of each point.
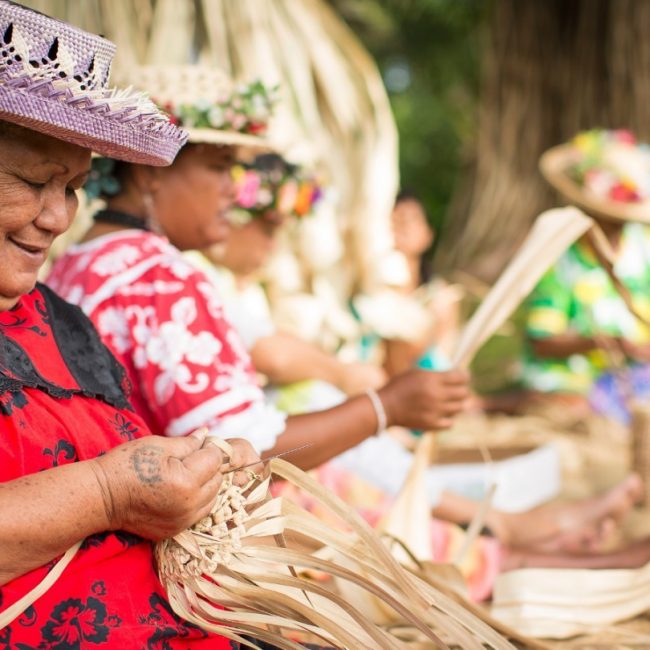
(256, 128)
(624, 193)
(624, 135)
(168, 107)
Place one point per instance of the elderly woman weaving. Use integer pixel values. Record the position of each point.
(76, 462)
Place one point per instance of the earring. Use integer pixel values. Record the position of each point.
(150, 209)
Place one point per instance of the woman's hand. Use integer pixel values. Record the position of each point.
(420, 399)
(243, 455)
(156, 487)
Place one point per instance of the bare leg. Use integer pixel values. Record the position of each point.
(633, 556)
(572, 527)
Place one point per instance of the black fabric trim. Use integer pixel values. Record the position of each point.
(117, 218)
(18, 371)
(8, 384)
(93, 366)
(98, 373)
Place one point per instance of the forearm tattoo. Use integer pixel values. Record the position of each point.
(146, 462)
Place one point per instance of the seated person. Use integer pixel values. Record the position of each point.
(78, 467)
(582, 340)
(414, 237)
(281, 357)
(370, 474)
(162, 317)
(416, 323)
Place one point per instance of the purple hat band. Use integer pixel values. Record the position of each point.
(53, 79)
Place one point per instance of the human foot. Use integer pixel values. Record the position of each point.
(580, 526)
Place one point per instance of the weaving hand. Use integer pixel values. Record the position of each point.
(420, 399)
(240, 459)
(156, 487)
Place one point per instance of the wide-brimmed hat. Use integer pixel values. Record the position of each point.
(54, 79)
(606, 173)
(206, 103)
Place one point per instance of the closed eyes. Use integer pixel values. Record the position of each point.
(37, 185)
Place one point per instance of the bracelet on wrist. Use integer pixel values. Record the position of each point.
(380, 411)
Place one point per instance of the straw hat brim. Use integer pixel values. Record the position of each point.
(554, 164)
(227, 138)
(91, 130)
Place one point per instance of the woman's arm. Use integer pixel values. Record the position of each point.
(417, 399)
(561, 346)
(285, 359)
(154, 487)
(43, 514)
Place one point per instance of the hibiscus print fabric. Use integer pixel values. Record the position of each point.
(75, 622)
(109, 596)
(164, 320)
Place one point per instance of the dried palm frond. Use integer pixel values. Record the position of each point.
(561, 603)
(247, 557)
(12, 612)
(553, 232)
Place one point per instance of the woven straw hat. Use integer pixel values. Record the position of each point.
(605, 173)
(206, 103)
(53, 79)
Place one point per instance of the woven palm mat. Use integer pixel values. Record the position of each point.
(595, 455)
(630, 634)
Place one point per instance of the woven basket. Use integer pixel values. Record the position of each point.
(251, 554)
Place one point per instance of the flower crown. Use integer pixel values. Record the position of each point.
(246, 110)
(613, 165)
(278, 187)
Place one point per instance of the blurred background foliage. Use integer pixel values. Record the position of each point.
(429, 54)
(481, 88)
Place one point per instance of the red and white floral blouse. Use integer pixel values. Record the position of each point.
(165, 322)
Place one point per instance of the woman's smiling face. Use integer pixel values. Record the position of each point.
(38, 179)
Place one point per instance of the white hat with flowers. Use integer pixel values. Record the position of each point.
(208, 105)
(604, 172)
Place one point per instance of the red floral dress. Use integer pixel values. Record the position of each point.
(164, 321)
(63, 399)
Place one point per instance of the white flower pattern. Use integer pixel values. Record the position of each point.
(113, 324)
(165, 322)
(115, 261)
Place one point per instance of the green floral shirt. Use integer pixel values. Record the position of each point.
(577, 295)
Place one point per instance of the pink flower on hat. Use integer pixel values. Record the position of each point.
(624, 193)
(247, 187)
